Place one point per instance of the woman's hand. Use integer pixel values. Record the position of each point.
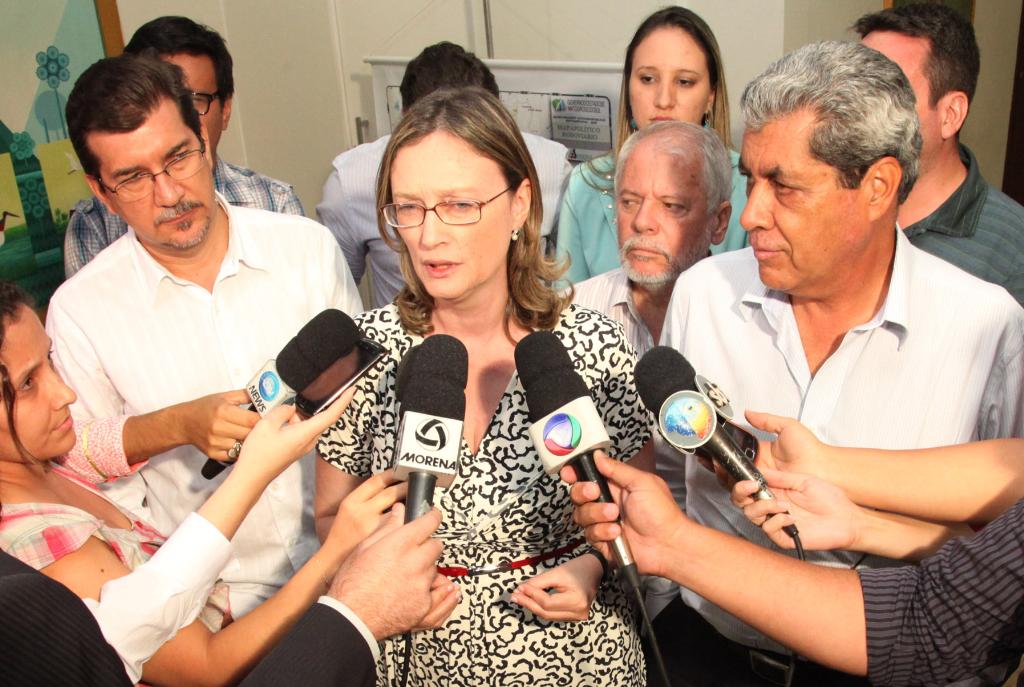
(280, 438)
(444, 597)
(562, 593)
(823, 514)
(361, 511)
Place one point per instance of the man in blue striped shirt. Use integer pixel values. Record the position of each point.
(952, 212)
(206, 62)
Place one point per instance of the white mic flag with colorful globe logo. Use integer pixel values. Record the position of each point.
(562, 434)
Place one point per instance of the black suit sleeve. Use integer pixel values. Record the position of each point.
(48, 636)
(323, 648)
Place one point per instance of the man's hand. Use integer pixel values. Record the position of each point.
(826, 518)
(214, 423)
(388, 580)
(651, 519)
(795, 449)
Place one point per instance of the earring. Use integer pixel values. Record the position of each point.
(632, 124)
(706, 120)
(515, 234)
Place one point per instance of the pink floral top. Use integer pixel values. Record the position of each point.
(39, 534)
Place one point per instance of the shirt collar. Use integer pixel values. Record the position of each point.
(959, 214)
(618, 285)
(241, 250)
(893, 314)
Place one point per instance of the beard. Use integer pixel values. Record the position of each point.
(169, 216)
(674, 264)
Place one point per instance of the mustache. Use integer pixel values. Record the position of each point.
(173, 213)
(644, 243)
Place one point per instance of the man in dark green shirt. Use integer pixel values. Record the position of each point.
(952, 212)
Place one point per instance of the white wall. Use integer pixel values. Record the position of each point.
(301, 78)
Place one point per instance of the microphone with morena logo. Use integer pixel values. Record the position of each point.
(431, 390)
(565, 426)
(321, 342)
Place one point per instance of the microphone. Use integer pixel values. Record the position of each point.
(689, 419)
(431, 388)
(565, 426)
(327, 337)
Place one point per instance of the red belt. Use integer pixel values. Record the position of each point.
(459, 571)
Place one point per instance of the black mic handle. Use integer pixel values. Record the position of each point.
(212, 468)
(421, 494)
(586, 470)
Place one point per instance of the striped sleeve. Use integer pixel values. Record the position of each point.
(958, 612)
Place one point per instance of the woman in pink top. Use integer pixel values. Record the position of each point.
(62, 526)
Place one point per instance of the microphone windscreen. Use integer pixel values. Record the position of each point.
(293, 367)
(547, 374)
(434, 382)
(330, 335)
(660, 373)
(327, 337)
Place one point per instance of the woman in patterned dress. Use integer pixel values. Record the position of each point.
(456, 192)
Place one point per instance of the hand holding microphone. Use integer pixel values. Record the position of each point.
(689, 420)
(565, 426)
(312, 370)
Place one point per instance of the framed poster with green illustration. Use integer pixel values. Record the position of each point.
(48, 43)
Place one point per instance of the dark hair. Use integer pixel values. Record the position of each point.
(698, 29)
(12, 298)
(181, 35)
(117, 95)
(444, 65)
(953, 58)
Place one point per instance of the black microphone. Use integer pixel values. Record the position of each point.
(327, 337)
(565, 426)
(431, 388)
(689, 419)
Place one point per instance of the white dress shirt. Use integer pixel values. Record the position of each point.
(349, 207)
(609, 295)
(940, 363)
(130, 338)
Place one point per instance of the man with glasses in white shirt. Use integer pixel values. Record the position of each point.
(160, 333)
(201, 54)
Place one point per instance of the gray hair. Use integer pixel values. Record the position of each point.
(862, 100)
(683, 140)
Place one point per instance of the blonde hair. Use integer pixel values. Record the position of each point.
(477, 118)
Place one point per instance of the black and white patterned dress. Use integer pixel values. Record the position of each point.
(488, 640)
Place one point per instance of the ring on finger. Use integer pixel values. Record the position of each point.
(235, 450)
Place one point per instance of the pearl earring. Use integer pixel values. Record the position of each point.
(515, 234)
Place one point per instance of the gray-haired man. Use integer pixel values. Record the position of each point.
(672, 189)
(832, 316)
